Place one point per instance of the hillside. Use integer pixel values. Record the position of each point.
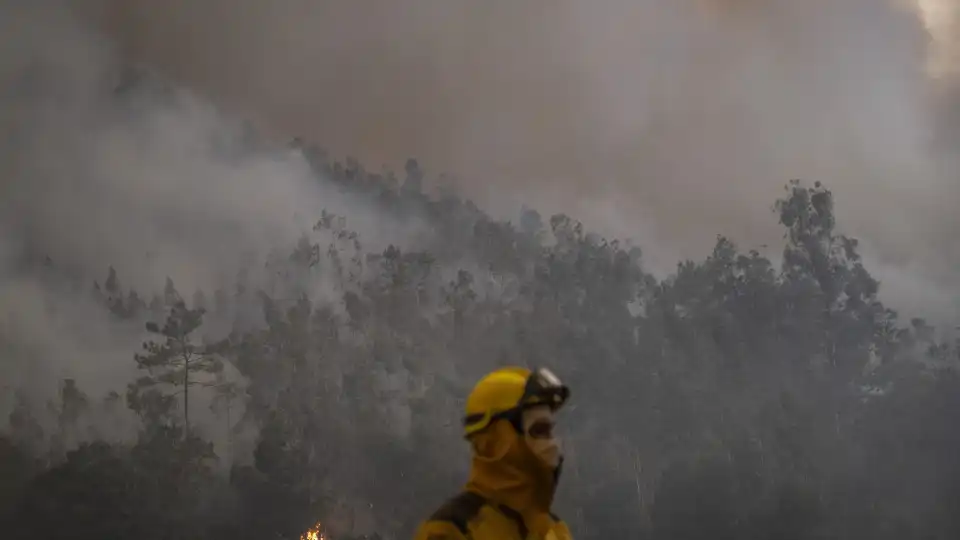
(273, 338)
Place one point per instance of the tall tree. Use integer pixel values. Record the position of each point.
(176, 360)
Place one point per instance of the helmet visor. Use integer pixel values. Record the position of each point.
(544, 388)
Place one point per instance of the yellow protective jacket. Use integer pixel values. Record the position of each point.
(508, 496)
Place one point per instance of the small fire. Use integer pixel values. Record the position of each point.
(314, 533)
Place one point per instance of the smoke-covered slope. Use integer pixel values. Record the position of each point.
(346, 313)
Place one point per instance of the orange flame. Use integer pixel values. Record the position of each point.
(314, 533)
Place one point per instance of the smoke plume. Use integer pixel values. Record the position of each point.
(100, 170)
(668, 122)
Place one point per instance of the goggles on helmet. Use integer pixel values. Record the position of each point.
(543, 387)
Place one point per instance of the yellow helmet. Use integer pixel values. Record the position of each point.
(508, 390)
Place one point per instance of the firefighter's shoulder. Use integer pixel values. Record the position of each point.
(452, 519)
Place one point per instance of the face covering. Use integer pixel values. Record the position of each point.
(539, 436)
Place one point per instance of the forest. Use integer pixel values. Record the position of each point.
(315, 389)
(737, 398)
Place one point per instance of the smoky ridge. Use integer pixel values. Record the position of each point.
(212, 328)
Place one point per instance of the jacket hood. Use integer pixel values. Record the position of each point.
(505, 471)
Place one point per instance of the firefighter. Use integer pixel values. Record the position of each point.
(516, 462)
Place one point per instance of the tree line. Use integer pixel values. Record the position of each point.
(737, 398)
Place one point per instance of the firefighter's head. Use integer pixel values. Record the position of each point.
(516, 405)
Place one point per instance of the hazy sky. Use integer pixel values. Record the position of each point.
(666, 121)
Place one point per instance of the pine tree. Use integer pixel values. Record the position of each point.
(176, 361)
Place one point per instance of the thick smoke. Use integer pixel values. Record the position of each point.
(668, 122)
(100, 170)
(941, 19)
(665, 121)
